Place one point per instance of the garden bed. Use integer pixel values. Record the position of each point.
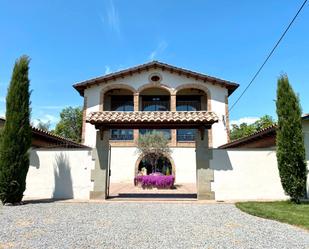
(155, 180)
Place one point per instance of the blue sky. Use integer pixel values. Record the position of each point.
(71, 41)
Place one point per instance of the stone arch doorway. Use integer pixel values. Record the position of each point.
(165, 162)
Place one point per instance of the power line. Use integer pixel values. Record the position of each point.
(269, 55)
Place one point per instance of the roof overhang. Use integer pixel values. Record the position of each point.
(152, 120)
(81, 86)
(305, 116)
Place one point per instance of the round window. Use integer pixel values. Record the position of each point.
(155, 78)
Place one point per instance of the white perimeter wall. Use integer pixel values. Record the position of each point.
(246, 174)
(239, 174)
(61, 173)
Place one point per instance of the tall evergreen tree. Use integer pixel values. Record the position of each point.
(16, 136)
(290, 142)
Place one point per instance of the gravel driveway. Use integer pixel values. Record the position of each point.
(142, 225)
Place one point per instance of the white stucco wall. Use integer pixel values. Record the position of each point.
(59, 173)
(173, 81)
(246, 174)
(239, 174)
(306, 140)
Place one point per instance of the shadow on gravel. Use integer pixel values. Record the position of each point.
(42, 201)
(153, 196)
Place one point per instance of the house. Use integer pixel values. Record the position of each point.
(159, 92)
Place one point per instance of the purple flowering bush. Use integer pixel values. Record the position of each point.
(157, 180)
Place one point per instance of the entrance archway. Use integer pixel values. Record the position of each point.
(166, 162)
(106, 120)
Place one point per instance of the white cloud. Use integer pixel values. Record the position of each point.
(159, 50)
(46, 118)
(112, 17)
(107, 70)
(248, 120)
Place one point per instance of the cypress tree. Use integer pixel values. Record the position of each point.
(16, 135)
(290, 142)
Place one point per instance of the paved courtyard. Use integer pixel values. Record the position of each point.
(142, 225)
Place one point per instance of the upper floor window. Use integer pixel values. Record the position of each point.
(122, 103)
(155, 103)
(188, 103)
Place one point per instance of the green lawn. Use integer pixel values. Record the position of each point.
(283, 211)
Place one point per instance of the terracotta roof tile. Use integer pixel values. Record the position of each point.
(157, 117)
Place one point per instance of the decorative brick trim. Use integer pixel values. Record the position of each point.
(84, 120)
(173, 137)
(227, 118)
(122, 143)
(185, 144)
(210, 138)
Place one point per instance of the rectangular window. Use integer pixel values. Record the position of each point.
(122, 104)
(166, 132)
(187, 103)
(117, 134)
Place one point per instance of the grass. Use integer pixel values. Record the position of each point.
(283, 211)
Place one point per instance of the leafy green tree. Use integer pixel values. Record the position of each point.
(45, 126)
(16, 136)
(70, 124)
(263, 122)
(153, 146)
(290, 142)
(244, 129)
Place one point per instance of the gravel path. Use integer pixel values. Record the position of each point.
(142, 225)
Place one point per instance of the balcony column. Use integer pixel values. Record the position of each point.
(136, 108)
(204, 174)
(173, 131)
(100, 174)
